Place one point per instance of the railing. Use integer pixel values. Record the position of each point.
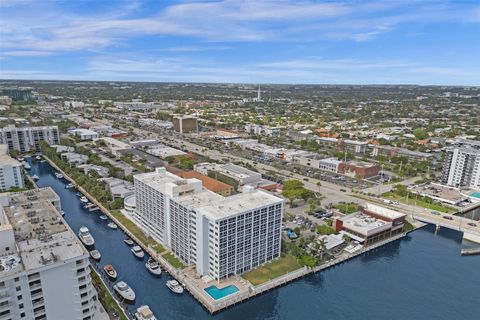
(292, 275)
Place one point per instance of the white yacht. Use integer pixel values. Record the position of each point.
(144, 313)
(103, 217)
(69, 186)
(153, 267)
(137, 252)
(124, 291)
(112, 225)
(58, 175)
(96, 255)
(84, 199)
(38, 157)
(128, 242)
(35, 177)
(26, 166)
(110, 272)
(174, 286)
(86, 237)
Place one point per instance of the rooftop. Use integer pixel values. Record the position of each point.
(40, 234)
(364, 224)
(209, 183)
(5, 158)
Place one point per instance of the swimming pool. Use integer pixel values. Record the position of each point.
(475, 195)
(217, 293)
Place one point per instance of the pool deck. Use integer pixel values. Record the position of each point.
(195, 285)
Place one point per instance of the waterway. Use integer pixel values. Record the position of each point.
(422, 277)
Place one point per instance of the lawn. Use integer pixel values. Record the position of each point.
(173, 261)
(105, 297)
(130, 225)
(272, 270)
(411, 201)
(346, 208)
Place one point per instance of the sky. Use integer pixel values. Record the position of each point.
(425, 42)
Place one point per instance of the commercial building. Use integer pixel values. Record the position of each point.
(315, 161)
(18, 93)
(185, 124)
(44, 269)
(25, 139)
(211, 184)
(359, 169)
(219, 236)
(462, 165)
(10, 170)
(371, 224)
(229, 173)
(84, 134)
(389, 151)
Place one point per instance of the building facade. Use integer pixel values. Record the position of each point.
(462, 166)
(220, 236)
(25, 139)
(185, 124)
(44, 271)
(10, 170)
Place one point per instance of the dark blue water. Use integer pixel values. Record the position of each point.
(420, 277)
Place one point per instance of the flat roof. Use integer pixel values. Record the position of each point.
(41, 235)
(5, 158)
(385, 212)
(209, 183)
(364, 224)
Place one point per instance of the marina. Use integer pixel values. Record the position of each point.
(148, 288)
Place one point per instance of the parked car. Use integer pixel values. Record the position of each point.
(435, 213)
(447, 217)
(472, 224)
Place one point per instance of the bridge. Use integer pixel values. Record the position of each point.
(469, 227)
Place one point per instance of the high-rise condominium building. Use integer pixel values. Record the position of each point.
(462, 165)
(10, 170)
(218, 235)
(25, 139)
(44, 270)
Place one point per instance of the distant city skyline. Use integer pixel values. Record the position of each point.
(303, 42)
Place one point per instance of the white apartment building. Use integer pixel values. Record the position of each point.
(220, 236)
(10, 170)
(462, 166)
(44, 269)
(25, 139)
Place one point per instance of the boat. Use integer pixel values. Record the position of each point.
(43, 160)
(84, 199)
(86, 237)
(26, 166)
(137, 252)
(110, 272)
(38, 158)
(21, 159)
(153, 267)
(58, 175)
(63, 213)
(144, 313)
(95, 254)
(129, 241)
(93, 209)
(103, 217)
(35, 177)
(112, 225)
(124, 291)
(68, 186)
(78, 194)
(174, 286)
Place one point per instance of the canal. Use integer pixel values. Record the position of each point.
(420, 277)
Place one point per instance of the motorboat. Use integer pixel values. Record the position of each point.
(58, 175)
(84, 199)
(137, 252)
(110, 272)
(69, 186)
(63, 213)
(96, 255)
(174, 286)
(78, 194)
(153, 267)
(103, 217)
(144, 313)
(129, 241)
(38, 157)
(26, 166)
(35, 177)
(124, 291)
(112, 225)
(21, 159)
(86, 237)
(93, 209)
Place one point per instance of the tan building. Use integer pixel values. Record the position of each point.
(211, 184)
(185, 123)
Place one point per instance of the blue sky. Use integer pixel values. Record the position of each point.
(334, 42)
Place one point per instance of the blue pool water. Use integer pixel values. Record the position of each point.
(475, 194)
(420, 277)
(217, 293)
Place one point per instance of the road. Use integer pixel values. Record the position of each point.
(330, 191)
